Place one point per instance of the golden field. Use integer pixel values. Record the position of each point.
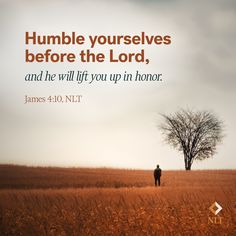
(83, 201)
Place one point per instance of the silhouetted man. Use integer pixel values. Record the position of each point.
(157, 175)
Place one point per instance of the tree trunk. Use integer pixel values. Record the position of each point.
(188, 168)
(187, 161)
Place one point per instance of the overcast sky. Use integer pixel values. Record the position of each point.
(116, 125)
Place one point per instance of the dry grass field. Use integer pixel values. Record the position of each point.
(82, 201)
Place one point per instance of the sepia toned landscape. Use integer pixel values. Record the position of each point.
(95, 96)
(84, 201)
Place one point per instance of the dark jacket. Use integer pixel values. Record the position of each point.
(157, 173)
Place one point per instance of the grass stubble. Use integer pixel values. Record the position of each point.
(80, 201)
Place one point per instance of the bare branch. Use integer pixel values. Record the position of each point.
(196, 134)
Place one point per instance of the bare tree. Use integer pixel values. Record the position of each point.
(196, 134)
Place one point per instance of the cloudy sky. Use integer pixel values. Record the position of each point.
(116, 125)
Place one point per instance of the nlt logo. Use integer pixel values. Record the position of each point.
(215, 208)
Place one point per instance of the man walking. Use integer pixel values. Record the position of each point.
(157, 175)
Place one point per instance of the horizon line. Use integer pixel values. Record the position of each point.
(102, 167)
